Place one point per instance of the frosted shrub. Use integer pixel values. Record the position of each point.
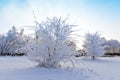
(49, 46)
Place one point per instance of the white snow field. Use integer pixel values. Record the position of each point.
(20, 68)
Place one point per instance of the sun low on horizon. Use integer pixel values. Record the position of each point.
(101, 16)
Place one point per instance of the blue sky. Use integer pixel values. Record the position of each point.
(102, 16)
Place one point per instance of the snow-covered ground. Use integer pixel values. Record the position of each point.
(20, 68)
(106, 67)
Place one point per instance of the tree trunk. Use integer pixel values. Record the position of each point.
(93, 57)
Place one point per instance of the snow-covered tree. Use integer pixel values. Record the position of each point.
(2, 44)
(10, 42)
(113, 46)
(50, 47)
(93, 45)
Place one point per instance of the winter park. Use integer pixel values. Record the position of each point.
(59, 40)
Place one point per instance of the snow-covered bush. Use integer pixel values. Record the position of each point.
(93, 45)
(50, 47)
